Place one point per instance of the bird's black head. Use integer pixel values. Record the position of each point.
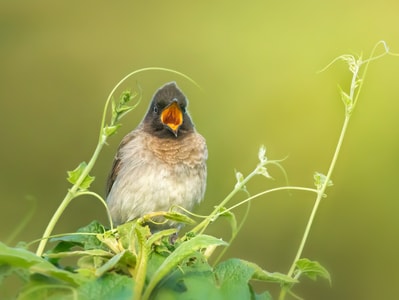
(167, 116)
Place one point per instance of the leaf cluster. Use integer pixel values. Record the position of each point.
(130, 263)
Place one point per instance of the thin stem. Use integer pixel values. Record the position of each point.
(282, 188)
(215, 213)
(248, 200)
(67, 199)
(102, 201)
(140, 272)
(355, 88)
(320, 196)
(239, 186)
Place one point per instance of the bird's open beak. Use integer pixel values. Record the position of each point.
(172, 117)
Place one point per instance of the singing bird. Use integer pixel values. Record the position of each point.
(159, 164)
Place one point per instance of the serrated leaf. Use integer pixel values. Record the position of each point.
(311, 269)
(192, 280)
(183, 251)
(234, 274)
(74, 176)
(46, 268)
(109, 286)
(195, 279)
(263, 275)
(87, 241)
(258, 273)
(22, 258)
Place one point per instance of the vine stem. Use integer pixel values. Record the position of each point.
(355, 88)
(319, 197)
(216, 212)
(68, 198)
(354, 91)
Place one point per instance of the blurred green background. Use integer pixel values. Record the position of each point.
(257, 62)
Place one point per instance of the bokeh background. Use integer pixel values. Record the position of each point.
(257, 63)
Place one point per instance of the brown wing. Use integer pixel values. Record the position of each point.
(116, 165)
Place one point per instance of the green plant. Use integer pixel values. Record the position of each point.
(127, 262)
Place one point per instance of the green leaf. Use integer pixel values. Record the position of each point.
(193, 279)
(120, 109)
(126, 97)
(18, 257)
(46, 268)
(109, 286)
(126, 258)
(231, 219)
(74, 177)
(41, 287)
(94, 252)
(346, 99)
(110, 130)
(179, 217)
(22, 258)
(157, 236)
(311, 269)
(263, 296)
(263, 275)
(61, 247)
(127, 236)
(233, 275)
(86, 236)
(183, 251)
(123, 109)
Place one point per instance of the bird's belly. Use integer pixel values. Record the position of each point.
(155, 187)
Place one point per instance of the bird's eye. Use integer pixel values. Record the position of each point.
(155, 109)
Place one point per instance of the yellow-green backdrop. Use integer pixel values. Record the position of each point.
(257, 63)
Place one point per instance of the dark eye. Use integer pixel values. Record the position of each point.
(155, 109)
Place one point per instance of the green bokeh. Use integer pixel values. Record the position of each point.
(257, 63)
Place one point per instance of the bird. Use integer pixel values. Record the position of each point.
(159, 164)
